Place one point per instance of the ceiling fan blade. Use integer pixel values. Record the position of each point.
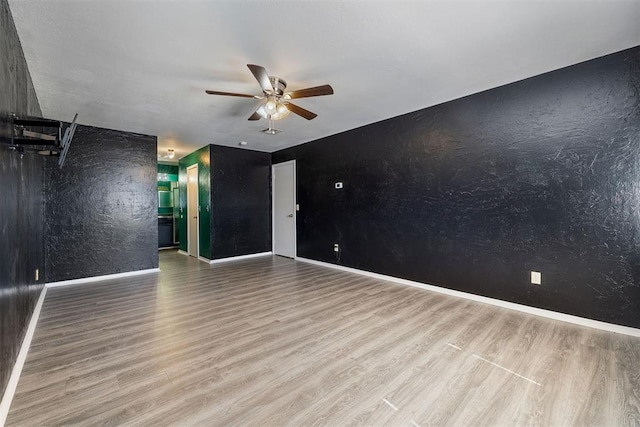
(300, 111)
(312, 91)
(261, 75)
(241, 95)
(255, 116)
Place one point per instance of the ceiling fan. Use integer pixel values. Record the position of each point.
(277, 105)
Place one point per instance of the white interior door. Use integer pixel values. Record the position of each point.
(284, 209)
(192, 210)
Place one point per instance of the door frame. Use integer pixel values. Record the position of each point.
(194, 166)
(295, 206)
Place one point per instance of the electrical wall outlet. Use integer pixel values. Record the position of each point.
(336, 248)
(536, 277)
(338, 185)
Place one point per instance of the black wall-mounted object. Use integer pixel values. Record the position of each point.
(101, 208)
(40, 136)
(24, 137)
(21, 190)
(65, 143)
(474, 194)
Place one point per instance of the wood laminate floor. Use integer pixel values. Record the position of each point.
(271, 341)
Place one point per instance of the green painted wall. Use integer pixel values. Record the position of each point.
(166, 175)
(202, 158)
(168, 169)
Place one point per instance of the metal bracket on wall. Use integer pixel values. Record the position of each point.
(66, 140)
(35, 132)
(41, 136)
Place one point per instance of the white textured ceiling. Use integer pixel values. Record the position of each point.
(143, 66)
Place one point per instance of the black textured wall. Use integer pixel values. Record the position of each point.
(21, 203)
(473, 194)
(241, 202)
(101, 207)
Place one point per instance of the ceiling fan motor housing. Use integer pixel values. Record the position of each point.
(278, 84)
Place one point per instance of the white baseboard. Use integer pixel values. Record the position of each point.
(7, 397)
(239, 257)
(180, 251)
(582, 321)
(100, 278)
(203, 259)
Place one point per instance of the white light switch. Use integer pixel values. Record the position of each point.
(536, 277)
(338, 185)
(297, 207)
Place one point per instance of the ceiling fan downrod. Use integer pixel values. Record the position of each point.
(271, 130)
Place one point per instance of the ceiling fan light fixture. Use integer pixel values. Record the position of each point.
(271, 106)
(281, 112)
(263, 112)
(282, 109)
(273, 110)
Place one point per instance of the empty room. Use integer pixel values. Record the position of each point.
(279, 213)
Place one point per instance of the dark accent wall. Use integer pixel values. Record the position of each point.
(21, 202)
(235, 201)
(101, 207)
(542, 174)
(241, 195)
(202, 158)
